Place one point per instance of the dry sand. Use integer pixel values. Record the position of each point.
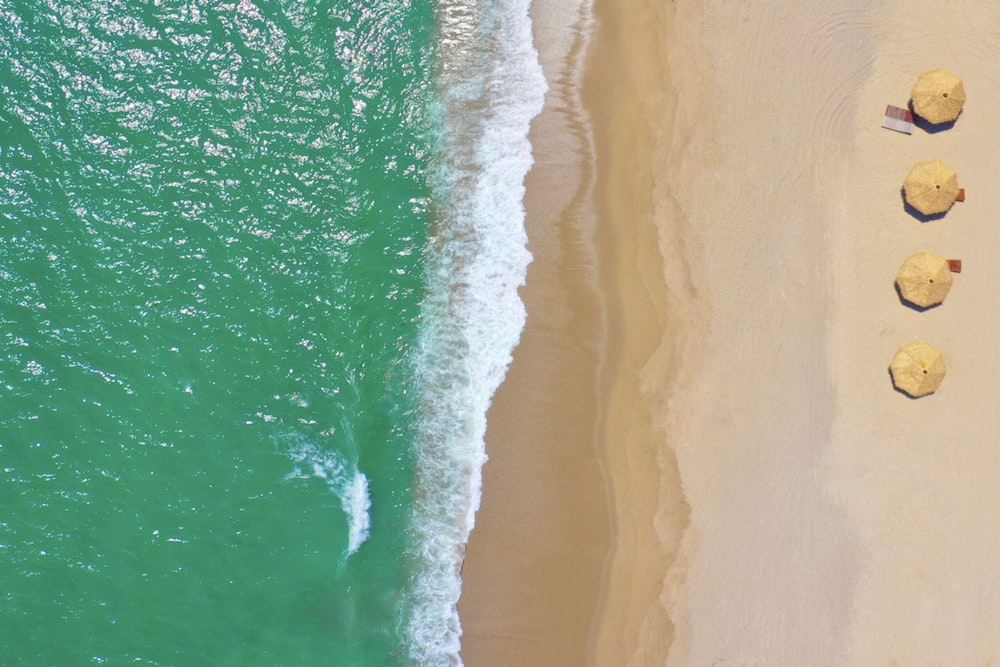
(918, 479)
(698, 437)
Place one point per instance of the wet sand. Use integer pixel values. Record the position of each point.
(533, 566)
(573, 420)
(698, 457)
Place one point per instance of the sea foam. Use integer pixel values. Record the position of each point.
(344, 479)
(489, 87)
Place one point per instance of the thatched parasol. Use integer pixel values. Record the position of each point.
(938, 96)
(931, 187)
(924, 279)
(917, 369)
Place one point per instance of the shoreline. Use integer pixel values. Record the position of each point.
(532, 568)
(575, 440)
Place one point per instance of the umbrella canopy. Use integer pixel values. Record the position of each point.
(924, 279)
(938, 96)
(917, 369)
(931, 187)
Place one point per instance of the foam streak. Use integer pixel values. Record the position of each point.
(491, 86)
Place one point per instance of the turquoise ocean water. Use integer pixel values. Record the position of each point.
(258, 271)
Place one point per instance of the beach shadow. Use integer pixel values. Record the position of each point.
(928, 127)
(910, 304)
(922, 217)
(901, 391)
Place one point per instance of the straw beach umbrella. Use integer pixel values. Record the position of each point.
(917, 369)
(931, 187)
(938, 96)
(924, 279)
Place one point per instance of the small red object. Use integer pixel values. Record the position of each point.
(955, 265)
(961, 195)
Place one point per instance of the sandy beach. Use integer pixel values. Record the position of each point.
(698, 457)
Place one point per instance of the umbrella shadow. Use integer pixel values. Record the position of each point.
(922, 217)
(929, 127)
(903, 391)
(910, 304)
